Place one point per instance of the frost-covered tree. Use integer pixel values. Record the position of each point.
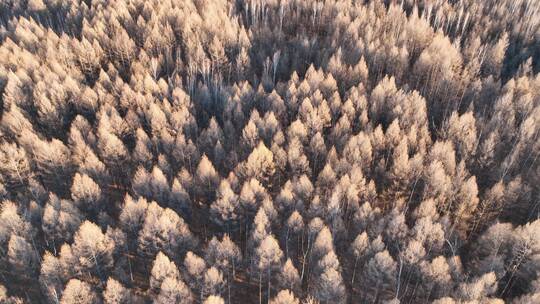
(207, 179)
(330, 151)
(260, 164)
(225, 209)
(21, 255)
(78, 292)
(164, 230)
(86, 194)
(268, 257)
(116, 293)
(285, 297)
(175, 291)
(93, 250)
(162, 268)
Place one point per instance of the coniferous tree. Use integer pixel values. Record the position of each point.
(93, 250)
(337, 151)
(162, 268)
(116, 293)
(78, 292)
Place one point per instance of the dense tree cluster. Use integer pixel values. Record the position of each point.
(269, 151)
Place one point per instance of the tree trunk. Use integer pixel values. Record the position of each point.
(229, 288)
(260, 287)
(287, 244)
(268, 292)
(354, 272)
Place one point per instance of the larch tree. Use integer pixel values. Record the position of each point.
(162, 268)
(153, 185)
(143, 151)
(111, 148)
(51, 159)
(21, 255)
(381, 276)
(296, 158)
(15, 165)
(359, 249)
(494, 60)
(260, 165)
(330, 287)
(213, 299)
(78, 292)
(289, 277)
(213, 282)
(86, 194)
(207, 179)
(478, 288)
(225, 209)
(116, 293)
(252, 196)
(93, 250)
(174, 291)
(195, 269)
(462, 132)
(52, 276)
(339, 151)
(226, 256)
(250, 137)
(284, 297)
(211, 136)
(294, 227)
(163, 230)
(11, 222)
(323, 242)
(436, 276)
(267, 257)
(179, 199)
(7, 299)
(261, 230)
(60, 220)
(132, 217)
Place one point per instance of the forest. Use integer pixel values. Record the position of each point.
(270, 151)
